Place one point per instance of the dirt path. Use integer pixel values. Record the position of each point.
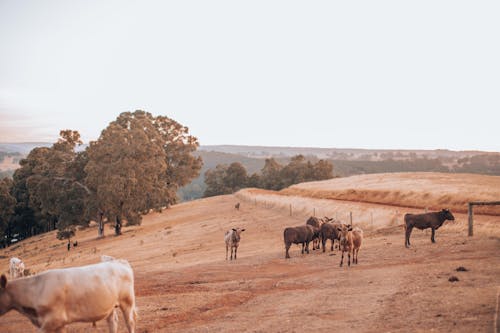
(184, 283)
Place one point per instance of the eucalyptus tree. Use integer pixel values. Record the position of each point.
(137, 165)
(7, 206)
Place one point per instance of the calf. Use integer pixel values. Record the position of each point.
(55, 298)
(433, 220)
(350, 242)
(329, 231)
(16, 268)
(232, 239)
(303, 234)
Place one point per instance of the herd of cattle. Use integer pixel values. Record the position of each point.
(57, 297)
(318, 230)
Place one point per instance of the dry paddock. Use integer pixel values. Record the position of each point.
(184, 283)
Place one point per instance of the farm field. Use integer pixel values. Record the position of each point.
(184, 284)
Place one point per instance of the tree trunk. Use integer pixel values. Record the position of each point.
(100, 224)
(118, 226)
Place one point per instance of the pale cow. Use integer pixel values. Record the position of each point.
(232, 239)
(350, 242)
(16, 268)
(55, 298)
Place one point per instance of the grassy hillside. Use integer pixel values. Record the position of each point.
(183, 283)
(419, 189)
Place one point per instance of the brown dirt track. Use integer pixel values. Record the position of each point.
(184, 283)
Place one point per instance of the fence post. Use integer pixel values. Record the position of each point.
(290, 209)
(471, 219)
(314, 211)
(350, 218)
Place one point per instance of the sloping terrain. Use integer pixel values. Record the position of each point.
(415, 189)
(184, 283)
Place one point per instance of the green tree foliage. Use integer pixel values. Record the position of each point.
(137, 164)
(7, 206)
(225, 179)
(228, 179)
(271, 175)
(66, 233)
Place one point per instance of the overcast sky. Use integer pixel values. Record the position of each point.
(348, 74)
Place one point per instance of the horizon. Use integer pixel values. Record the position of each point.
(280, 147)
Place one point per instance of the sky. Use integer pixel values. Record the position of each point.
(332, 74)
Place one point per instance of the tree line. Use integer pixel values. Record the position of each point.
(137, 165)
(226, 179)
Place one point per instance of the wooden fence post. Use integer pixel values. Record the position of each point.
(290, 209)
(471, 219)
(350, 218)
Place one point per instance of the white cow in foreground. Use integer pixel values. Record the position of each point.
(58, 297)
(16, 268)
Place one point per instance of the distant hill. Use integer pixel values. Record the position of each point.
(346, 162)
(340, 153)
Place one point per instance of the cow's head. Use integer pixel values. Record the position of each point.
(237, 232)
(448, 215)
(342, 231)
(5, 300)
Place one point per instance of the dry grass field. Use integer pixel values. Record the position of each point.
(184, 284)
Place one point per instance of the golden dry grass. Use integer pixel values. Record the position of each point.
(422, 190)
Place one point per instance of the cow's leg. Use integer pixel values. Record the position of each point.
(112, 320)
(52, 323)
(331, 248)
(303, 246)
(342, 259)
(287, 247)
(407, 235)
(227, 250)
(235, 250)
(129, 314)
(432, 235)
(231, 252)
(348, 258)
(323, 243)
(307, 247)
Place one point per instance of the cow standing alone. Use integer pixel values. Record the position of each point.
(16, 268)
(433, 220)
(232, 239)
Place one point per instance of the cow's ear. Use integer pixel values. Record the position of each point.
(339, 229)
(234, 229)
(3, 281)
(350, 228)
(242, 229)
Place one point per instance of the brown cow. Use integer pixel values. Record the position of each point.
(433, 220)
(329, 231)
(350, 241)
(317, 222)
(303, 234)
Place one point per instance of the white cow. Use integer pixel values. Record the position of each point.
(58, 297)
(16, 268)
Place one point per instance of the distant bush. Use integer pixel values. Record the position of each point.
(273, 176)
